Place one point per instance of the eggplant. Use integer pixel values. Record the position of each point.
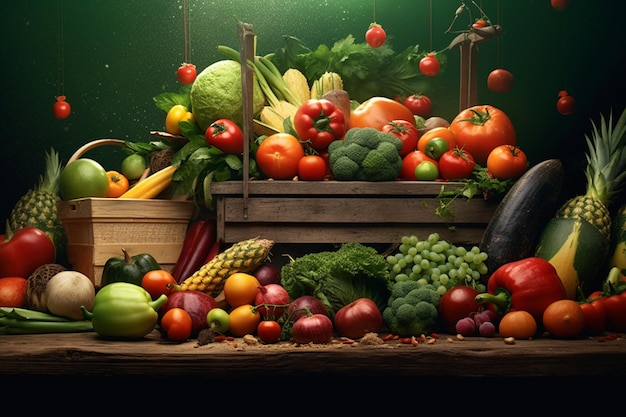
(517, 223)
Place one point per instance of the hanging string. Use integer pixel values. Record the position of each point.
(374, 11)
(430, 25)
(61, 69)
(186, 29)
(500, 40)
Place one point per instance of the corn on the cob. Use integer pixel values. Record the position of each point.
(275, 115)
(153, 185)
(297, 82)
(327, 82)
(244, 256)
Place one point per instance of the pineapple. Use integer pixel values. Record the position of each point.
(38, 207)
(605, 174)
(576, 241)
(244, 256)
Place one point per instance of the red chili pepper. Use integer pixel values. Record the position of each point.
(213, 251)
(530, 284)
(198, 240)
(320, 122)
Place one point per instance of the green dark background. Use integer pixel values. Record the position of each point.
(111, 57)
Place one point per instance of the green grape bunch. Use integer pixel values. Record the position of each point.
(439, 263)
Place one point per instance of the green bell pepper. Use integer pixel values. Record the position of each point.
(124, 310)
(128, 269)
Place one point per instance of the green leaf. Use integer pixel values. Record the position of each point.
(165, 101)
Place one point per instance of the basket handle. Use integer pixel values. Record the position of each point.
(100, 142)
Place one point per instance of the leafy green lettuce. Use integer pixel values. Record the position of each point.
(339, 277)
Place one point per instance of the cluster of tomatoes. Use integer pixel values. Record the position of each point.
(478, 135)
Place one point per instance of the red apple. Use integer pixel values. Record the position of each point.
(358, 318)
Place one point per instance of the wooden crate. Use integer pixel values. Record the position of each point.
(98, 228)
(342, 211)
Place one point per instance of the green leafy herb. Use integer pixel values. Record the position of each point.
(481, 182)
(366, 72)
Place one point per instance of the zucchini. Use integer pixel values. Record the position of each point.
(617, 252)
(576, 260)
(516, 225)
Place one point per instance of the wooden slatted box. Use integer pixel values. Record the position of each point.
(342, 211)
(98, 228)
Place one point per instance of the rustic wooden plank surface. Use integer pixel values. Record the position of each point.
(282, 187)
(88, 354)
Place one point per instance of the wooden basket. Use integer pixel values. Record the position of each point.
(98, 228)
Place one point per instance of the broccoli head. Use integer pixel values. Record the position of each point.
(365, 154)
(412, 309)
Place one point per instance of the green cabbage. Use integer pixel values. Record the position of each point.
(217, 94)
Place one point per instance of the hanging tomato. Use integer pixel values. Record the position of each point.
(186, 73)
(429, 65)
(61, 108)
(566, 104)
(375, 35)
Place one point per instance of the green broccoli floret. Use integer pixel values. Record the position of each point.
(412, 309)
(365, 154)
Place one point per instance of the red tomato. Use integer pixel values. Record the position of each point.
(186, 73)
(410, 162)
(157, 282)
(176, 324)
(375, 35)
(61, 109)
(500, 80)
(312, 168)
(479, 129)
(226, 136)
(506, 162)
(456, 164)
(479, 23)
(455, 304)
(269, 331)
(429, 65)
(559, 5)
(615, 312)
(376, 112)
(595, 317)
(406, 132)
(419, 104)
(278, 156)
(566, 104)
(13, 291)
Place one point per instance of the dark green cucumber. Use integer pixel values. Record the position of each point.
(514, 230)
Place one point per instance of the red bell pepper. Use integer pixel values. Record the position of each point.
(198, 240)
(319, 122)
(530, 284)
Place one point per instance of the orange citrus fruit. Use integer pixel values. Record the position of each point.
(564, 319)
(243, 320)
(240, 288)
(518, 324)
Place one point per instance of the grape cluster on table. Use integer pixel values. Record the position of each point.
(437, 262)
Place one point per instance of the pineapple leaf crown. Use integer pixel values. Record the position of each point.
(606, 158)
(50, 180)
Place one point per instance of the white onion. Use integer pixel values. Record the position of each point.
(67, 291)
